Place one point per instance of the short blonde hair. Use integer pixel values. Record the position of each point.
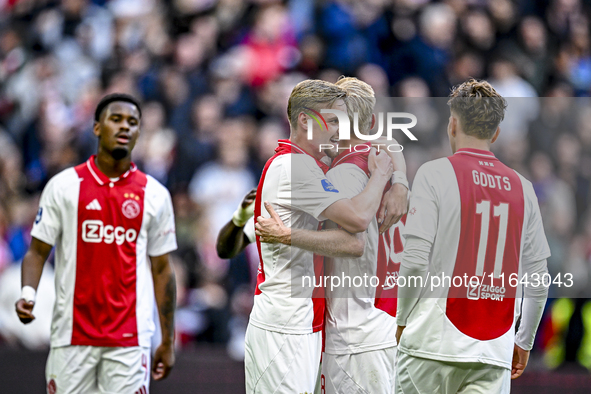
(361, 99)
(312, 93)
(479, 107)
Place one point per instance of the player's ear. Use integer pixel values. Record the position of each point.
(453, 125)
(96, 129)
(496, 135)
(373, 121)
(303, 121)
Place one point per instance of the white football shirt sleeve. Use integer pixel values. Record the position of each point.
(535, 253)
(533, 305)
(415, 263)
(48, 223)
(423, 213)
(161, 232)
(311, 191)
(248, 230)
(348, 179)
(536, 245)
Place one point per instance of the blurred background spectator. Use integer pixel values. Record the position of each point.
(214, 77)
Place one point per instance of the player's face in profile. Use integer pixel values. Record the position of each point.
(330, 136)
(118, 129)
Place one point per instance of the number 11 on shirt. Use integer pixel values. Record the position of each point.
(502, 210)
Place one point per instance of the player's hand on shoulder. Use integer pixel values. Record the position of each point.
(380, 164)
(163, 362)
(24, 310)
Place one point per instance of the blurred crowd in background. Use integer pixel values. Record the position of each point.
(214, 77)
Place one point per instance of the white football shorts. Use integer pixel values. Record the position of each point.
(420, 375)
(360, 373)
(281, 363)
(94, 370)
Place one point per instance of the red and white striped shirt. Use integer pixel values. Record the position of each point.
(483, 220)
(103, 230)
(360, 317)
(295, 185)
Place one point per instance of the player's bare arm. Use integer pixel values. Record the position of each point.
(332, 242)
(356, 214)
(31, 274)
(165, 292)
(395, 202)
(397, 156)
(394, 207)
(231, 239)
(399, 330)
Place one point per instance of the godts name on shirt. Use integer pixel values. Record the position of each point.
(491, 181)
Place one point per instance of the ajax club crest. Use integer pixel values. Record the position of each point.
(131, 208)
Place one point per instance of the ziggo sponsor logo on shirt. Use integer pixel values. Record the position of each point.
(95, 231)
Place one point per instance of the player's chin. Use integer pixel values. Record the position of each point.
(119, 152)
(332, 153)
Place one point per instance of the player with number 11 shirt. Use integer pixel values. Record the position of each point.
(470, 217)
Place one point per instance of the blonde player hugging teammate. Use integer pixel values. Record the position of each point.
(360, 341)
(283, 339)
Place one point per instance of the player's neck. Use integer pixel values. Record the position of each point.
(308, 146)
(109, 166)
(469, 142)
(353, 141)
